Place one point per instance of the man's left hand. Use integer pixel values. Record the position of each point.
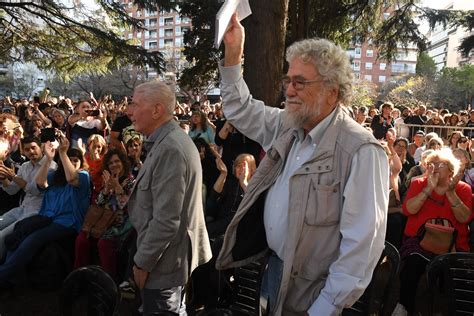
(140, 276)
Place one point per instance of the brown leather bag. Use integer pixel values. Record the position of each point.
(98, 220)
(439, 239)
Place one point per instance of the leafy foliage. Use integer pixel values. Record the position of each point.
(425, 66)
(453, 19)
(69, 38)
(363, 94)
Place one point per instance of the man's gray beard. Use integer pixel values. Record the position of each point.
(299, 118)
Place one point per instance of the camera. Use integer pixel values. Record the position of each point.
(93, 112)
(48, 134)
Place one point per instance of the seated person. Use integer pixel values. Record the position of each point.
(96, 149)
(227, 195)
(114, 195)
(133, 145)
(222, 204)
(65, 202)
(24, 180)
(85, 123)
(441, 197)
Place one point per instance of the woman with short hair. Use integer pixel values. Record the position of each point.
(437, 198)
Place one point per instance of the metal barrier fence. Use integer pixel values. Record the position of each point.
(408, 130)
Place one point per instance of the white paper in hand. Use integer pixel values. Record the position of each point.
(224, 15)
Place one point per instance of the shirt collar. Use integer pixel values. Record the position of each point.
(150, 140)
(317, 132)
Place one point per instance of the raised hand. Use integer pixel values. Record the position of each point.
(63, 144)
(49, 150)
(432, 177)
(234, 39)
(221, 165)
(454, 181)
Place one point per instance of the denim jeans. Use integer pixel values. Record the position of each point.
(164, 301)
(7, 224)
(17, 260)
(272, 280)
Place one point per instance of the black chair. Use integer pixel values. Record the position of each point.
(89, 291)
(246, 286)
(381, 290)
(452, 277)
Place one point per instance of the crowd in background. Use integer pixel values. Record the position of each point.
(96, 154)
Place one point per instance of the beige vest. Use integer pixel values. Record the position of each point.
(316, 199)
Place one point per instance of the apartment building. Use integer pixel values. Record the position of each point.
(444, 41)
(164, 32)
(367, 66)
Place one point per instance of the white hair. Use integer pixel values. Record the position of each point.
(158, 91)
(446, 154)
(330, 60)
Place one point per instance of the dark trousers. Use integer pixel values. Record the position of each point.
(17, 260)
(164, 301)
(410, 275)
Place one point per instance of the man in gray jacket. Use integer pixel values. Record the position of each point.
(166, 204)
(318, 200)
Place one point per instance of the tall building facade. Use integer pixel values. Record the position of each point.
(368, 66)
(444, 41)
(164, 32)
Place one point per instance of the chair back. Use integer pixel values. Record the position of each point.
(452, 275)
(381, 289)
(89, 291)
(246, 288)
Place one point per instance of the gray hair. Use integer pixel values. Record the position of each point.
(331, 61)
(446, 154)
(158, 91)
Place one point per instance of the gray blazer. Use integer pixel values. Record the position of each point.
(166, 210)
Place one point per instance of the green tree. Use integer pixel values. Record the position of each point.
(455, 87)
(364, 94)
(70, 38)
(453, 19)
(425, 66)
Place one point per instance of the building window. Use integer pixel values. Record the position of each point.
(168, 42)
(169, 21)
(368, 77)
(168, 32)
(184, 30)
(386, 16)
(369, 53)
(358, 52)
(177, 31)
(139, 34)
(382, 78)
(152, 34)
(152, 22)
(357, 75)
(356, 65)
(383, 66)
(368, 65)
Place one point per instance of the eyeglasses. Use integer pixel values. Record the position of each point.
(439, 164)
(298, 84)
(401, 146)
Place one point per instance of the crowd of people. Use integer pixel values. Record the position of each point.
(194, 190)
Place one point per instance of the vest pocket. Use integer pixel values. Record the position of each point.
(323, 204)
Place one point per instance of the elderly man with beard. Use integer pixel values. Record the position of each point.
(318, 201)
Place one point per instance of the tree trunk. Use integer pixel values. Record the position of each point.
(265, 48)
